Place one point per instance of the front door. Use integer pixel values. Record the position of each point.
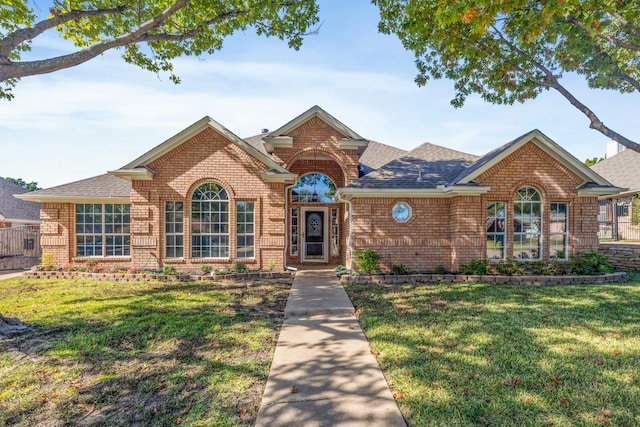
(314, 236)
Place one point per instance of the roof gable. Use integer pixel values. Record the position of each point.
(536, 137)
(316, 111)
(138, 168)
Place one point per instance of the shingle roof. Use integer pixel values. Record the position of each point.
(98, 187)
(427, 166)
(12, 208)
(622, 170)
(256, 142)
(377, 155)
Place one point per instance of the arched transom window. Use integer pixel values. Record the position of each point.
(313, 188)
(527, 224)
(210, 222)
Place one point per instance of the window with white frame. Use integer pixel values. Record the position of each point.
(210, 222)
(102, 229)
(527, 224)
(558, 231)
(174, 229)
(496, 230)
(245, 230)
(334, 237)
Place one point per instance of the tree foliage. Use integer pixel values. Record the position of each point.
(31, 186)
(149, 33)
(593, 161)
(510, 51)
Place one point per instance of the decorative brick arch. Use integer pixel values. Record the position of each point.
(344, 170)
(225, 184)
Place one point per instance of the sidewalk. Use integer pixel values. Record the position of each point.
(10, 274)
(323, 372)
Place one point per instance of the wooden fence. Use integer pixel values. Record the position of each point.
(20, 242)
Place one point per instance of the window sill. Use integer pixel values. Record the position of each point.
(101, 258)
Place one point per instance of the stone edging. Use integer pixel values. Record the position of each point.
(497, 280)
(146, 277)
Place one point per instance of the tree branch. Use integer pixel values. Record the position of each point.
(12, 40)
(22, 69)
(631, 46)
(552, 82)
(632, 29)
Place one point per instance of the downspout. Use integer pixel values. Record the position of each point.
(286, 226)
(350, 239)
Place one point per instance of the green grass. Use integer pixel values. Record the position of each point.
(193, 354)
(474, 354)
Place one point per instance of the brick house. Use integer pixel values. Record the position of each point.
(315, 191)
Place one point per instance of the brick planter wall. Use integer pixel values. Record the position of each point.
(147, 277)
(623, 257)
(498, 280)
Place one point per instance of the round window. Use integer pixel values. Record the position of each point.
(401, 212)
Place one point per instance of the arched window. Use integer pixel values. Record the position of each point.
(527, 224)
(313, 188)
(210, 222)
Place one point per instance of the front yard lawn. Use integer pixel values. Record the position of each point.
(121, 354)
(492, 355)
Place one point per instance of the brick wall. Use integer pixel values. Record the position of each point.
(450, 231)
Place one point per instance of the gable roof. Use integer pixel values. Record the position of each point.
(138, 168)
(431, 170)
(316, 111)
(542, 141)
(13, 209)
(622, 170)
(98, 189)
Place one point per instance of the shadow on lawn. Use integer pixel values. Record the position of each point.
(159, 355)
(493, 355)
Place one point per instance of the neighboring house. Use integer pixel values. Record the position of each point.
(315, 191)
(620, 212)
(15, 212)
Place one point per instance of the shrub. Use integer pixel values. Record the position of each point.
(271, 265)
(169, 270)
(133, 270)
(509, 267)
(476, 267)
(590, 264)
(239, 267)
(440, 270)
(368, 261)
(48, 261)
(206, 269)
(399, 269)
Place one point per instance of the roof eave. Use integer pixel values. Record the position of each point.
(278, 177)
(439, 192)
(601, 191)
(280, 141)
(137, 174)
(72, 199)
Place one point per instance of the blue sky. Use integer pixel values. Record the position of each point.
(96, 117)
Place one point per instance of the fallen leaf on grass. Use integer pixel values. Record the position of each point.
(606, 413)
(556, 380)
(617, 352)
(484, 421)
(512, 382)
(550, 388)
(375, 352)
(243, 411)
(628, 379)
(397, 394)
(565, 401)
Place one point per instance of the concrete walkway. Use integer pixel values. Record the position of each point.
(323, 372)
(10, 274)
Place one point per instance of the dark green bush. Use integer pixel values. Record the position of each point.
(239, 267)
(509, 267)
(169, 270)
(368, 261)
(440, 270)
(399, 269)
(477, 267)
(590, 264)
